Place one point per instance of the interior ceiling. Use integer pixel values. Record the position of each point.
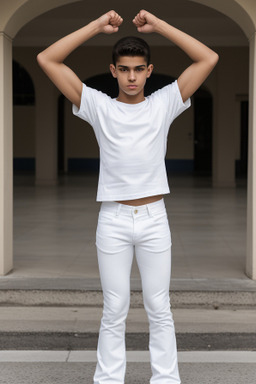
(206, 24)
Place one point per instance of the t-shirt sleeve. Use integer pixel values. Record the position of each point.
(171, 97)
(90, 99)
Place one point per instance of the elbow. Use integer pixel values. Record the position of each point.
(214, 59)
(40, 59)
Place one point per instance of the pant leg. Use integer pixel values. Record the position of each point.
(155, 270)
(115, 256)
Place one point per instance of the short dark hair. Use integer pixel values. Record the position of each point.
(131, 46)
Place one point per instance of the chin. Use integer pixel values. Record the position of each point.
(133, 92)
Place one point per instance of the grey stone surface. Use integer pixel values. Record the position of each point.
(93, 284)
(179, 299)
(134, 341)
(54, 229)
(90, 356)
(87, 319)
(137, 373)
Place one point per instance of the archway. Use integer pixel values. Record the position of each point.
(241, 11)
(237, 10)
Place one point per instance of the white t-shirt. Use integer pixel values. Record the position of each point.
(132, 139)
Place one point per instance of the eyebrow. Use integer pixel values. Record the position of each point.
(137, 66)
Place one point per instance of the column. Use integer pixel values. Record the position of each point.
(46, 132)
(251, 191)
(6, 157)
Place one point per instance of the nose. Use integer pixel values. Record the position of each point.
(131, 76)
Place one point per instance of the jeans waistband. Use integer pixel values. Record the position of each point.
(130, 210)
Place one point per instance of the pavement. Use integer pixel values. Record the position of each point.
(77, 368)
(49, 330)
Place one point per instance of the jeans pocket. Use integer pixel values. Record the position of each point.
(106, 217)
(111, 233)
(161, 240)
(160, 216)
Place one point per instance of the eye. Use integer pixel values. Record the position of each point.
(140, 69)
(123, 69)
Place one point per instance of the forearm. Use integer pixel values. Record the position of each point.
(192, 47)
(204, 59)
(51, 59)
(58, 51)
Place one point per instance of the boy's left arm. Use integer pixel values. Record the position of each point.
(204, 59)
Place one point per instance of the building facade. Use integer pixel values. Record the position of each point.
(229, 27)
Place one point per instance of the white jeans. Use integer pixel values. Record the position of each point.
(121, 230)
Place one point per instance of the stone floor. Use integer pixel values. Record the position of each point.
(54, 229)
(193, 370)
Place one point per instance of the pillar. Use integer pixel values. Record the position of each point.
(46, 132)
(6, 157)
(251, 189)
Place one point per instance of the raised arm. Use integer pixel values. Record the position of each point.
(51, 59)
(204, 59)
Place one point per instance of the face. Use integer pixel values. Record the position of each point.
(131, 73)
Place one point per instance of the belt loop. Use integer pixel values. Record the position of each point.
(149, 210)
(118, 208)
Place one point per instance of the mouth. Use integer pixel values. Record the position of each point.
(132, 86)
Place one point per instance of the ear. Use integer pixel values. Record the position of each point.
(113, 70)
(150, 70)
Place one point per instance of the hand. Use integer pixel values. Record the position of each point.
(110, 22)
(145, 22)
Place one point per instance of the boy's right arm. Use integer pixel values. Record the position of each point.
(51, 59)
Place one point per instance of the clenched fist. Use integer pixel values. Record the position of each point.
(146, 22)
(110, 22)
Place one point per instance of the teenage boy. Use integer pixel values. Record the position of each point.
(131, 131)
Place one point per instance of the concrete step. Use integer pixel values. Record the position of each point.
(185, 293)
(65, 314)
(75, 328)
(179, 299)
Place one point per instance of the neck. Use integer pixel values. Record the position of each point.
(131, 99)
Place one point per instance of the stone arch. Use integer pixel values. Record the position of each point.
(241, 11)
(235, 10)
(25, 11)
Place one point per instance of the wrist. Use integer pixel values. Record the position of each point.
(95, 26)
(160, 26)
